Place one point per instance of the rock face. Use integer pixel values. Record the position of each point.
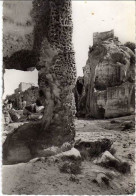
(57, 73)
(18, 35)
(51, 52)
(108, 82)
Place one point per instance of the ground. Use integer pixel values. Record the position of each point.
(45, 178)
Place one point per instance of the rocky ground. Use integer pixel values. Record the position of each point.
(44, 177)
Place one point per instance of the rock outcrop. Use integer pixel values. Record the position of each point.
(18, 35)
(51, 52)
(108, 82)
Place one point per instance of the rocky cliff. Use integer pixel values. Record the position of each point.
(108, 82)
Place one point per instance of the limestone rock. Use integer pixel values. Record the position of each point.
(106, 156)
(73, 153)
(48, 151)
(89, 149)
(14, 115)
(51, 52)
(109, 161)
(108, 81)
(102, 179)
(18, 35)
(66, 146)
(20, 145)
(127, 125)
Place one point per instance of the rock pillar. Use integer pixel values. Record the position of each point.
(57, 73)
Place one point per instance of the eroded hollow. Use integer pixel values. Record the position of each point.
(21, 60)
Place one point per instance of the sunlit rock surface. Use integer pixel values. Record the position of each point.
(108, 82)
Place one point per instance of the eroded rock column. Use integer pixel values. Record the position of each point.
(57, 75)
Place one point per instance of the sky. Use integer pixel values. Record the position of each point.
(88, 17)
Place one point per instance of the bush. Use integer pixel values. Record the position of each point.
(73, 167)
(122, 167)
(130, 45)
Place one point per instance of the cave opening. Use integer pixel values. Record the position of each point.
(79, 86)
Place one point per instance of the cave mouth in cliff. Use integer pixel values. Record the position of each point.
(80, 87)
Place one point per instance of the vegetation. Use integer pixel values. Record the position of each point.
(130, 45)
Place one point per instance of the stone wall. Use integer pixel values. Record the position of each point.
(98, 37)
(108, 78)
(24, 86)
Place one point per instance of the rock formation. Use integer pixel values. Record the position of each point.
(108, 82)
(50, 50)
(30, 96)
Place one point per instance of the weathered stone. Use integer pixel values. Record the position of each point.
(108, 82)
(109, 161)
(52, 54)
(106, 156)
(102, 179)
(98, 37)
(6, 117)
(35, 117)
(89, 149)
(66, 146)
(18, 35)
(48, 152)
(73, 153)
(20, 145)
(14, 115)
(57, 74)
(127, 125)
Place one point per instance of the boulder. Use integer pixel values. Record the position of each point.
(127, 125)
(106, 156)
(48, 151)
(72, 154)
(102, 179)
(6, 118)
(109, 161)
(35, 116)
(89, 149)
(66, 146)
(14, 115)
(20, 144)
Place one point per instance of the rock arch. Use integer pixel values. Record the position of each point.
(52, 54)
